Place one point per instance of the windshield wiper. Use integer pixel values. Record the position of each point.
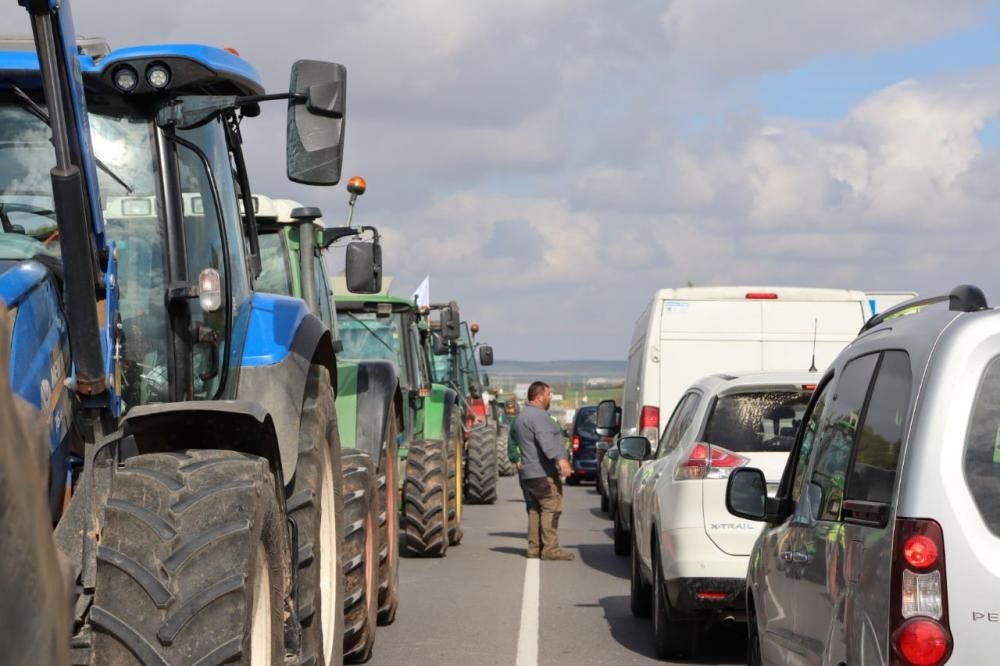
(374, 334)
(35, 109)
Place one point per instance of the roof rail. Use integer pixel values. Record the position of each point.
(963, 298)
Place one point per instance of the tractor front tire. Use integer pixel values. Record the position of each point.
(361, 548)
(316, 503)
(193, 565)
(425, 499)
(456, 480)
(504, 466)
(388, 492)
(481, 468)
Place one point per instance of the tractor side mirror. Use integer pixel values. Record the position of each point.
(451, 322)
(486, 355)
(486, 380)
(608, 418)
(364, 267)
(315, 131)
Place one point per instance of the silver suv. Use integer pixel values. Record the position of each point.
(882, 544)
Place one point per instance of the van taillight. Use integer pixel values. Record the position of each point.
(709, 462)
(919, 602)
(762, 296)
(576, 443)
(649, 423)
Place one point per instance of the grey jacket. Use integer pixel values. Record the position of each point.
(541, 442)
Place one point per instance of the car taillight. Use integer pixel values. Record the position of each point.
(919, 613)
(649, 423)
(709, 462)
(576, 443)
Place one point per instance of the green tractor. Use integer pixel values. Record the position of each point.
(428, 417)
(293, 242)
(451, 351)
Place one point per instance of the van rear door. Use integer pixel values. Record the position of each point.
(788, 328)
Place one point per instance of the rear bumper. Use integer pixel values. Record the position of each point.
(587, 468)
(713, 598)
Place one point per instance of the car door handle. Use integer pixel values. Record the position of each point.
(794, 556)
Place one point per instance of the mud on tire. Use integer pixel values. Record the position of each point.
(188, 538)
(481, 466)
(425, 499)
(361, 548)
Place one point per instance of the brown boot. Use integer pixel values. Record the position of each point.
(559, 556)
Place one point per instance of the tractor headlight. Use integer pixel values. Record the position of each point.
(158, 76)
(126, 78)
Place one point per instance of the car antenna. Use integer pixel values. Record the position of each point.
(812, 368)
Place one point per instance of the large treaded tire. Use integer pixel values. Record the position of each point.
(504, 466)
(310, 495)
(388, 563)
(361, 549)
(481, 466)
(186, 541)
(456, 473)
(425, 499)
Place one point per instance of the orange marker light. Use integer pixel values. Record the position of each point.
(230, 49)
(357, 185)
(475, 328)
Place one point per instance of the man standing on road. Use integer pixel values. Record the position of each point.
(544, 464)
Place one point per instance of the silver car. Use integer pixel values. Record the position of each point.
(882, 544)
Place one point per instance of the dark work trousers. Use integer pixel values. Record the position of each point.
(545, 505)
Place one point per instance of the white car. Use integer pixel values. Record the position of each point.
(689, 554)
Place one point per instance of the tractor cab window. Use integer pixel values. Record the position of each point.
(366, 335)
(275, 273)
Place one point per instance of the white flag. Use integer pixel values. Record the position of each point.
(423, 293)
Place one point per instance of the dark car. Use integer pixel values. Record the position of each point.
(583, 439)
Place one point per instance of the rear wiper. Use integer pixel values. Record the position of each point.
(35, 109)
(374, 334)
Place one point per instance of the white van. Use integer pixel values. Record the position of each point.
(686, 334)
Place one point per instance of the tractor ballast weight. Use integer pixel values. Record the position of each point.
(160, 392)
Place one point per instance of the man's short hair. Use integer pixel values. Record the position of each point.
(536, 389)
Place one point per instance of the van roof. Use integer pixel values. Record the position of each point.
(740, 293)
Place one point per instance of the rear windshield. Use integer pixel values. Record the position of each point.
(586, 422)
(982, 448)
(758, 421)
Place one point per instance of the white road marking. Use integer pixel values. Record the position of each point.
(527, 636)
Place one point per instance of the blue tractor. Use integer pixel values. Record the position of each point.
(195, 461)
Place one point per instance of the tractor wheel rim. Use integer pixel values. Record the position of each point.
(391, 517)
(260, 627)
(371, 561)
(328, 557)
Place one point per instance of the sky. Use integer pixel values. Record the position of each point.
(551, 163)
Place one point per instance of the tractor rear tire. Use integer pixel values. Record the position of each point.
(504, 466)
(194, 562)
(425, 499)
(481, 468)
(456, 478)
(361, 548)
(316, 503)
(388, 492)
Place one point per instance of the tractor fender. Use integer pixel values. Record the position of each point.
(233, 425)
(376, 388)
(283, 340)
(437, 412)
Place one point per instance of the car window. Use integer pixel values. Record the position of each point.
(874, 472)
(806, 448)
(680, 423)
(836, 434)
(982, 448)
(756, 420)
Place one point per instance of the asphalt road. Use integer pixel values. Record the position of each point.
(467, 607)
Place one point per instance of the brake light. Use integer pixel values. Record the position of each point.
(762, 296)
(709, 462)
(649, 423)
(923, 642)
(576, 443)
(919, 602)
(808, 387)
(712, 596)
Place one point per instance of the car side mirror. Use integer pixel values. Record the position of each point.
(363, 269)
(634, 448)
(315, 130)
(608, 418)
(746, 494)
(451, 322)
(486, 355)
